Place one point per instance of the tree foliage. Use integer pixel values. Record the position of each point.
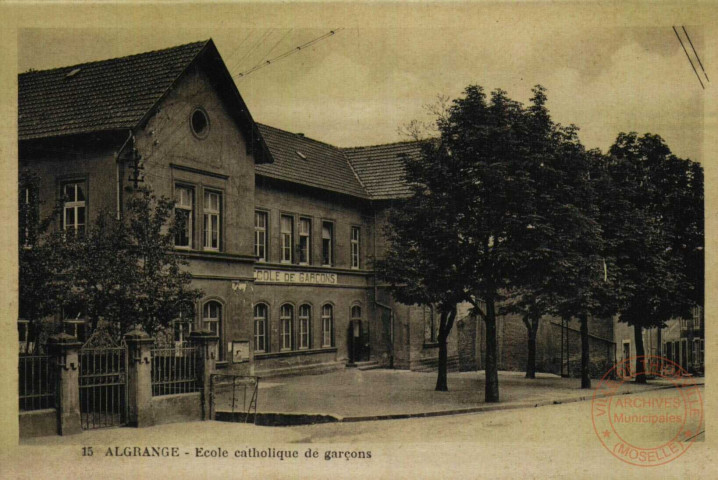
(122, 272)
(658, 242)
(563, 244)
(486, 219)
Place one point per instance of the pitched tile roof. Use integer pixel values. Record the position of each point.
(104, 95)
(301, 160)
(381, 168)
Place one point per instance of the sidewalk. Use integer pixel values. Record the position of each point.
(348, 396)
(355, 395)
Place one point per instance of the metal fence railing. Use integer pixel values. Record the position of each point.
(175, 370)
(37, 382)
(234, 394)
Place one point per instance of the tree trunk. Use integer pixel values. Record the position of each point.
(441, 383)
(492, 372)
(532, 327)
(445, 324)
(640, 355)
(585, 379)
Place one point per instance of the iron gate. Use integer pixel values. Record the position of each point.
(103, 387)
(233, 397)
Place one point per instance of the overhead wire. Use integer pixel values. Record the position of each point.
(284, 55)
(696, 53)
(689, 58)
(252, 48)
(264, 57)
(234, 52)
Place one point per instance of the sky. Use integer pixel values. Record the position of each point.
(363, 84)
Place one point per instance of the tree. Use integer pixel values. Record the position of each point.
(662, 243)
(563, 227)
(586, 283)
(41, 289)
(421, 265)
(122, 271)
(480, 187)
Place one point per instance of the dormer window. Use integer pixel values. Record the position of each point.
(199, 122)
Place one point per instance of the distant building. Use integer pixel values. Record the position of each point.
(681, 341)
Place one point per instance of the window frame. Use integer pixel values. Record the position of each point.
(286, 328)
(28, 212)
(286, 236)
(201, 135)
(189, 212)
(75, 204)
(328, 253)
(208, 320)
(305, 235)
(209, 213)
(327, 321)
(302, 333)
(181, 322)
(263, 321)
(696, 314)
(263, 232)
(355, 247)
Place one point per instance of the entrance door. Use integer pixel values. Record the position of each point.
(354, 338)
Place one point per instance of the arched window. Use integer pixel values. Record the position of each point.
(286, 318)
(260, 328)
(356, 312)
(305, 322)
(327, 326)
(212, 321)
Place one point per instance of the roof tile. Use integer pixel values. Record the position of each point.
(305, 161)
(103, 95)
(381, 168)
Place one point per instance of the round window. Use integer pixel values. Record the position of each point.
(199, 123)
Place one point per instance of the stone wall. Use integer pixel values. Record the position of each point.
(38, 423)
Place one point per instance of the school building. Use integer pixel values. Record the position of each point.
(281, 230)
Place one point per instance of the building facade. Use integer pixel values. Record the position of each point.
(281, 231)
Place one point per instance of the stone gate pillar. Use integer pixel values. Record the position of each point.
(64, 349)
(139, 378)
(206, 343)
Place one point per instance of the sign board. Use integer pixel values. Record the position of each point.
(240, 351)
(283, 276)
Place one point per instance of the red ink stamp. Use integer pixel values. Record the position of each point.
(648, 427)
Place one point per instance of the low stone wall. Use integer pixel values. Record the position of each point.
(184, 407)
(430, 363)
(296, 362)
(38, 423)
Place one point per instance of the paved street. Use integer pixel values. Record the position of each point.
(356, 393)
(503, 444)
(552, 425)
